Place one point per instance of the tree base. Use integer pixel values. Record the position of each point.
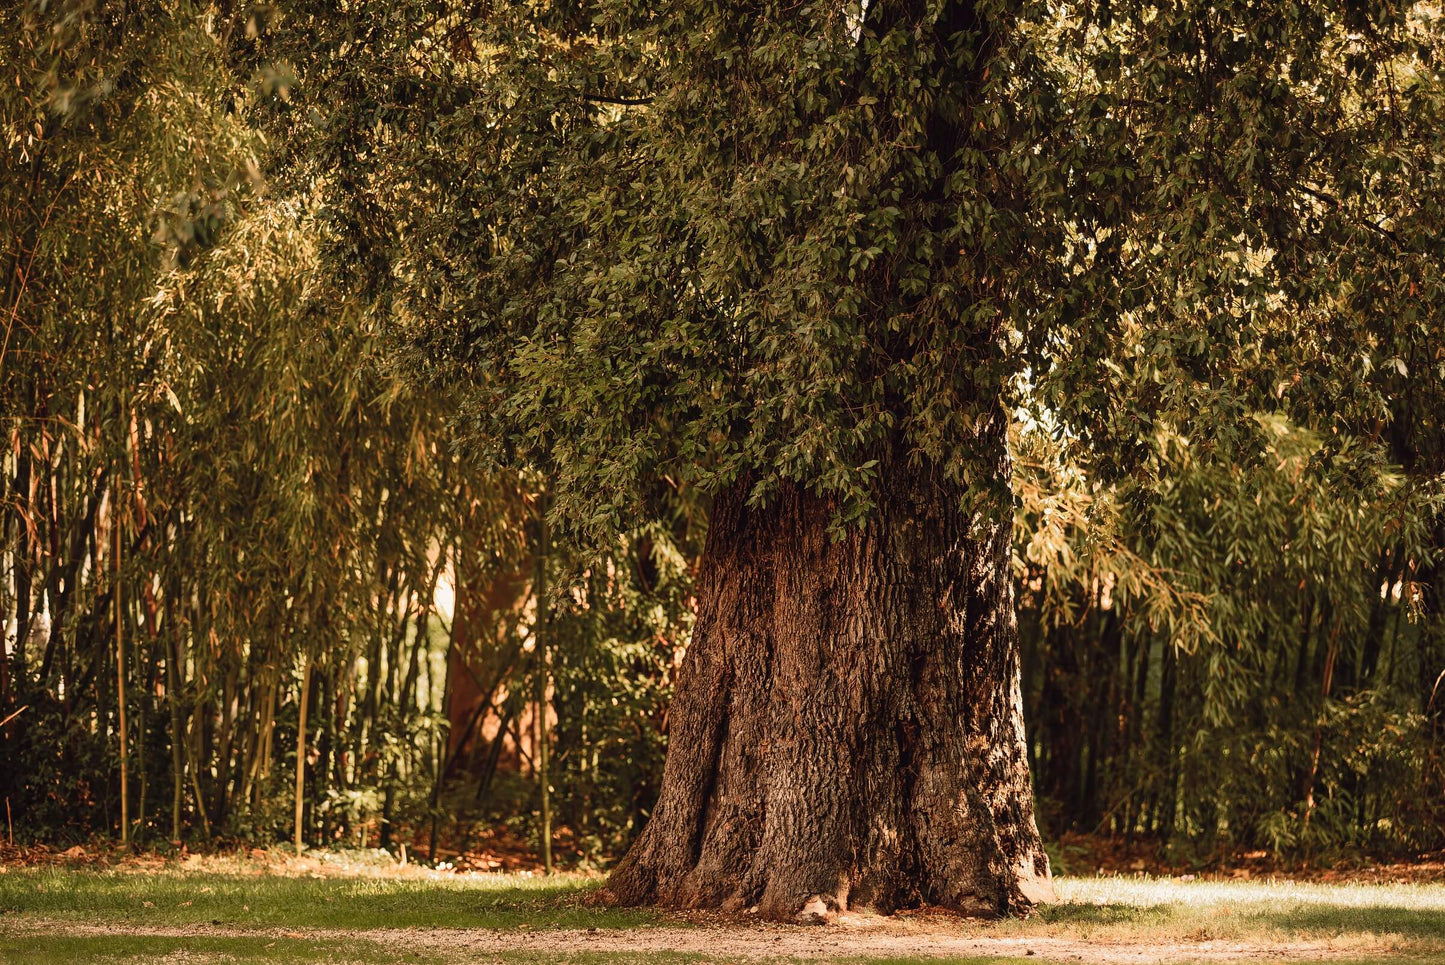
(847, 732)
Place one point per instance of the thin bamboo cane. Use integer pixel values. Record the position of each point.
(301, 749)
(120, 683)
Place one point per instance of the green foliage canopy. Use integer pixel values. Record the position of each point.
(701, 241)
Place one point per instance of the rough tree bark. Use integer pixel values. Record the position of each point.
(847, 731)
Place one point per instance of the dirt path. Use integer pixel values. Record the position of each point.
(860, 937)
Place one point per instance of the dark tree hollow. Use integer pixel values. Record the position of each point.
(847, 733)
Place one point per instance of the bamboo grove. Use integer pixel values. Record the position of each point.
(253, 588)
(226, 523)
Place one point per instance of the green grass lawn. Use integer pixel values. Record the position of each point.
(71, 950)
(261, 900)
(57, 916)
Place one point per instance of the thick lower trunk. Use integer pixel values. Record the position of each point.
(847, 731)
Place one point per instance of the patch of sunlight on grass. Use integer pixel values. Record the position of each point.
(1236, 909)
(1154, 891)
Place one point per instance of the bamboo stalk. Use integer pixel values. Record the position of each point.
(301, 749)
(173, 698)
(540, 713)
(200, 802)
(120, 684)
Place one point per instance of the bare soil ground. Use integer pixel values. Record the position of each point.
(1091, 854)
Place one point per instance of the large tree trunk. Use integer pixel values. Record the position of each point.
(847, 731)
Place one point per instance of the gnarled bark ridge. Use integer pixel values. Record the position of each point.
(848, 725)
